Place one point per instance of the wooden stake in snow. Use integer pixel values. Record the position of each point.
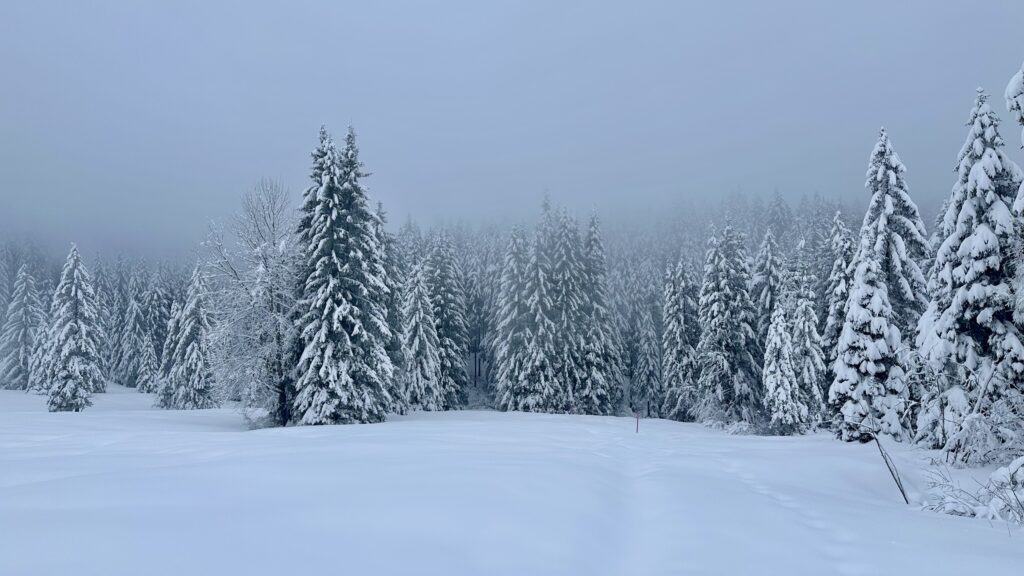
(637, 423)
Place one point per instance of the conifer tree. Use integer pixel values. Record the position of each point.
(6, 289)
(729, 387)
(869, 394)
(784, 400)
(148, 377)
(71, 363)
(190, 383)
(679, 343)
(779, 218)
(512, 322)
(766, 283)
(538, 388)
(968, 330)
(421, 347)
(106, 307)
(808, 357)
(170, 342)
(344, 372)
(156, 311)
(601, 356)
(444, 280)
(134, 338)
(837, 292)
(1015, 99)
(22, 326)
(646, 394)
(570, 303)
(894, 230)
(393, 304)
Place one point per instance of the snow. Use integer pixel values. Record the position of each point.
(122, 489)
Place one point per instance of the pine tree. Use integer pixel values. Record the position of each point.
(729, 387)
(421, 346)
(895, 232)
(6, 290)
(679, 343)
(22, 326)
(1015, 100)
(570, 304)
(106, 307)
(869, 394)
(393, 304)
(133, 339)
(600, 348)
(646, 393)
(513, 321)
(156, 311)
(766, 283)
(344, 372)
(189, 384)
(538, 388)
(779, 218)
(968, 329)
(784, 400)
(71, 364)
(449, 300)
(808, 357)
(837, 293)
(148, 377)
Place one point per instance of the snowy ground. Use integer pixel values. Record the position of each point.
(125, 490)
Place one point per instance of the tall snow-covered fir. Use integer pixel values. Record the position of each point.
(512, 323)
(729, 387)
(422, 386)
(444, 281)
(784, 401)
(190, 383)
(70, 365)
(969, 331)
(766, 282)
(869, 394)
(22, 326)
(344, 372)
(600, 348)
(837, 288)
(679, 343)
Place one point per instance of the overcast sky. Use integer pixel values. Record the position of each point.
(136, 122)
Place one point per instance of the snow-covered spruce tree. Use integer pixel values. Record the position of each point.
(156, 311)
(837, 292)
(344, 372)
(22, 325)
(444, 279)
(729, 388)
(808, 357)
(6, 286)
(601, 359)
(869, 394)
(422, 377)
(1015, 99)
(106, 306)
(894, 230)
(147, 378)
(538, 388)
(71, 363)
(766, 282)
(190, 384)
(784, 401)
(679, 343)
(570, 303)
(134, 338)
(393, 303)
(646, 394)
(968, 331)
(779, 218)
(512, 322)
(173, 333)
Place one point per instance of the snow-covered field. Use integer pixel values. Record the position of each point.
(122, 489)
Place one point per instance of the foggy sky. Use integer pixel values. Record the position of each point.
(133, 123)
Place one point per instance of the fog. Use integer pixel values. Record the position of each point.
(132, 124)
